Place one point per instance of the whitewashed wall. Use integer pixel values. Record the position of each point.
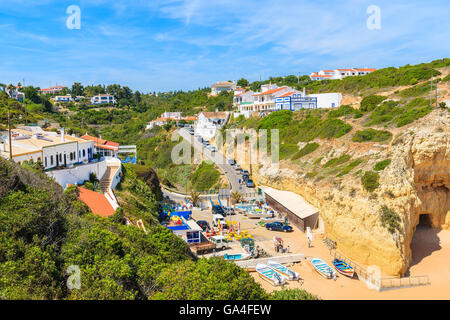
(78, 174)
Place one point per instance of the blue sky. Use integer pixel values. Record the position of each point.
(186, 44)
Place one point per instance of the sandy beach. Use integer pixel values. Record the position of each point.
(431, 257)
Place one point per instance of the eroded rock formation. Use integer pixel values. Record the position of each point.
(417, 182)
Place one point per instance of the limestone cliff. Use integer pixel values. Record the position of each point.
(417, 182)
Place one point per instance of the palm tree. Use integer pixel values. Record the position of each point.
(194, 198)
(237, 197)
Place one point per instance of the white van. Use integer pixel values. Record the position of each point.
(219, 219)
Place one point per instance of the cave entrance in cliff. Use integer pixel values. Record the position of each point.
(425, 240)
(425, 221)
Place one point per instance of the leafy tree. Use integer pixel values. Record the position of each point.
(243, 83)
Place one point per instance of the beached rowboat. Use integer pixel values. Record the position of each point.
(290, 274)
(270, 275)
(343, 268)
(322, 268)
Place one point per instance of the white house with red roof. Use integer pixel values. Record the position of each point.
(52, 90)
(104, 147)
(339, 74)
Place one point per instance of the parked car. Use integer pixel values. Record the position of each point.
(218, 210)
(213, 149)
(232, 162)
(237, 166)
(278, 226)
(200, 139)
(203, 224)
(245, 172)
(249, 183)
(229, 211)
(245, 177)
(191, 132)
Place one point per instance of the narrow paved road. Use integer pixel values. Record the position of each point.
(219, 160)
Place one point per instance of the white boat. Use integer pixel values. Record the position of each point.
(285, 271)
(322, 268)
(270, 275)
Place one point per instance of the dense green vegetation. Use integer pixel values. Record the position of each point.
(370, 181)
(44, 231)
(336, 161)
(370, 102)
(205, 177)
(390, 219)
(307, 149)
(349, 167)
(292, 294)
(372, 135)
(381, 165)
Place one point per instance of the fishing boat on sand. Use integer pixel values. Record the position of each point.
(270, 275)
(236, 257)
(285, 271)
(322, 268)
(343, 268)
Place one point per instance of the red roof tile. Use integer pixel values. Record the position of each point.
(286, 94)
(97, 202)
(269, 91)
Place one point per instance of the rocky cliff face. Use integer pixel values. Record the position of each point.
(417, 182)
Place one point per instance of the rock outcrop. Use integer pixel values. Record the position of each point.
(417, 182)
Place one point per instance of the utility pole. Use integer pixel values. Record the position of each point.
(9, 134)
(436, 88)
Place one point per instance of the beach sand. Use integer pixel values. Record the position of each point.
(431, 257)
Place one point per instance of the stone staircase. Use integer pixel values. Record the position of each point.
(105, 181)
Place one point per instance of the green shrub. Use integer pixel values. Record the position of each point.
(287, 150)
(382, 165)
(89, 185)
(310, 147)
(350, 167)
(446, 78)
(337, 161)
(412, 115)
(205, 177)
(341, 111)
(372, 135)
(415, 91)
(292, 294)
(370, 180)
(370, 102)
(384, 113)
(390, 219)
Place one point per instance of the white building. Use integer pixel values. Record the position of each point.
(52, 90)
(172, 115)
(53, 150)
(66, 98)
(209, 122)
(67, 159)
(218, 87)
(327, 100)
(103, 99)
(339, 74)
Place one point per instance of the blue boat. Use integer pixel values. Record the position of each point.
(343, 268)
(322, 268)
(270, 275)
(278, 267)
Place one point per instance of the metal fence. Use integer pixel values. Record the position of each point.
(382, 283)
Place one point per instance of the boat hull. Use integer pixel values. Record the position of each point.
(315, 262)
(343, 268)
